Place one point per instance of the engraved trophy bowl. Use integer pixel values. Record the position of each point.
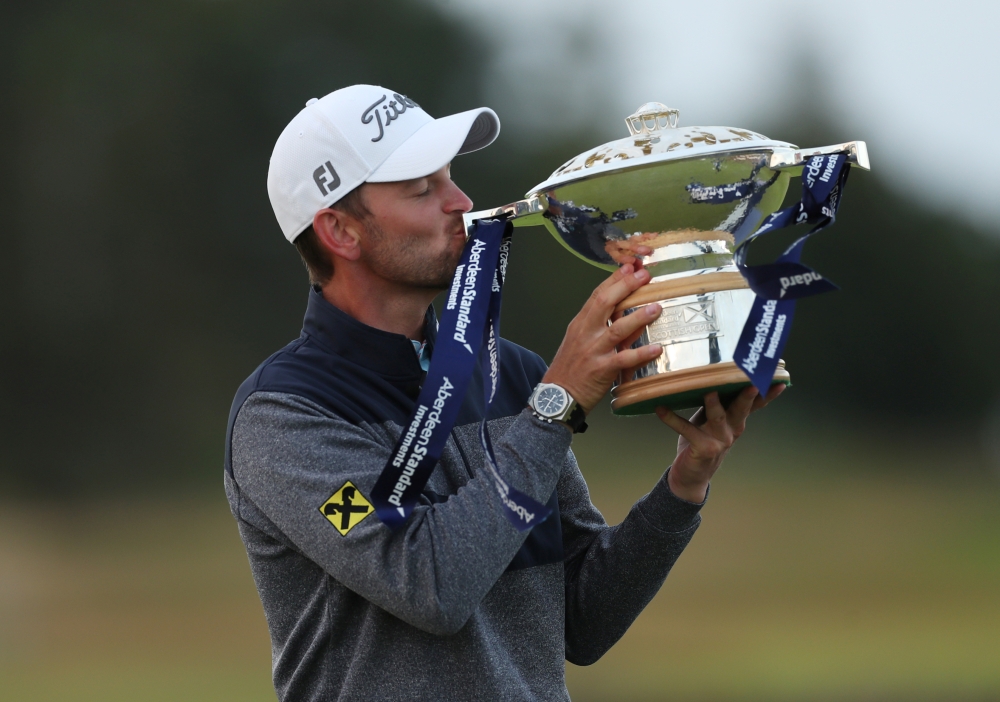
(689, 194)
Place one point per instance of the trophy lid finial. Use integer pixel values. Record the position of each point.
(652, 117)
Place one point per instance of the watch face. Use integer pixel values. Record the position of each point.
(550, 401)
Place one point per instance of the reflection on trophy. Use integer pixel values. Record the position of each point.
(690, 195)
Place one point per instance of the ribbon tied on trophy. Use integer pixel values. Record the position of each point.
(778, 285)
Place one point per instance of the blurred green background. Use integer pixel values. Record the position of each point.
(851, 548)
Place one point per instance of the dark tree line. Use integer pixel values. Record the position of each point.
(142, 274)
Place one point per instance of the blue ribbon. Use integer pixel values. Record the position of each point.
(470, 321)
(778, 285)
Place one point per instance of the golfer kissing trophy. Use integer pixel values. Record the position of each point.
(687, 202)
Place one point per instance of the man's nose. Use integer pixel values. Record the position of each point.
(456, 200)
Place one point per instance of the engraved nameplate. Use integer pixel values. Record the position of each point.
(685, 322)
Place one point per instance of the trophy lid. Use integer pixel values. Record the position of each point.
(687, 193)
(654, 136)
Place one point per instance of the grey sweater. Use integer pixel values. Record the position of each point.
(456, 605)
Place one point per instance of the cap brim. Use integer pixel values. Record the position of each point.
(434, 145)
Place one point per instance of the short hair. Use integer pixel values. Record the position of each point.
(315, 257)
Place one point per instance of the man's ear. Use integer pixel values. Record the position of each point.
(339, 232)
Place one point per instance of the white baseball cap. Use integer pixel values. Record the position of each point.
(361, 134)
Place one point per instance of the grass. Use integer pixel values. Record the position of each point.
(832, 591)
(145, 601)
(833, 567)
(854, 574)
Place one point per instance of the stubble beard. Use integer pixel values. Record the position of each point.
(406, 262)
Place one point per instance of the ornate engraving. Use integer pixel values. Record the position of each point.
(685, 322)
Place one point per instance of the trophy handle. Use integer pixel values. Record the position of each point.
(529, 211)
(792, 160)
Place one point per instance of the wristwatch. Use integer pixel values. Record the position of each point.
(551, 402)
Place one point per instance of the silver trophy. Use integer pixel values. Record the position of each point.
(689, 194)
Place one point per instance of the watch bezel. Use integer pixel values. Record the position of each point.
(564, 411)
(573, 415)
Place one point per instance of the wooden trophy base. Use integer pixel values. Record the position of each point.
(684, 389)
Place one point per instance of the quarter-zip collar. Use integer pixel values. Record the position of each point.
(390, 355)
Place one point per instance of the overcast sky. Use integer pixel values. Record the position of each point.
(916, 80)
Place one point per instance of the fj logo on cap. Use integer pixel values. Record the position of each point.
(393, 109)
(324, 185)
(346, 508)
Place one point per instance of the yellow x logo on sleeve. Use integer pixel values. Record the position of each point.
(346, 508)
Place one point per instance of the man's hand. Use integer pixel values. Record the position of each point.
(586, 363)
(706, 439)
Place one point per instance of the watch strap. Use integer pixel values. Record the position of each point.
(577, 419)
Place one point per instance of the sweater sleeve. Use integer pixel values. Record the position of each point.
(289, 456)
(612, 573)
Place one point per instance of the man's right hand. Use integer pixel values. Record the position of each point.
(587, 363)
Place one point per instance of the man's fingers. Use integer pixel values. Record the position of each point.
(775, 390)
(739, 409)
(762, 401)
(704, 445)
(680, 425)
(632, 279)
(616, 288)
(715, 413)
(625, 270)
(630, 339)
(629, 325)
(631, 358)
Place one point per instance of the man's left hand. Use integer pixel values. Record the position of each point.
(706, 438)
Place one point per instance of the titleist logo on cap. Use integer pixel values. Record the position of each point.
(393, 109)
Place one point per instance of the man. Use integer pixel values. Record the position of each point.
(457, 604)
